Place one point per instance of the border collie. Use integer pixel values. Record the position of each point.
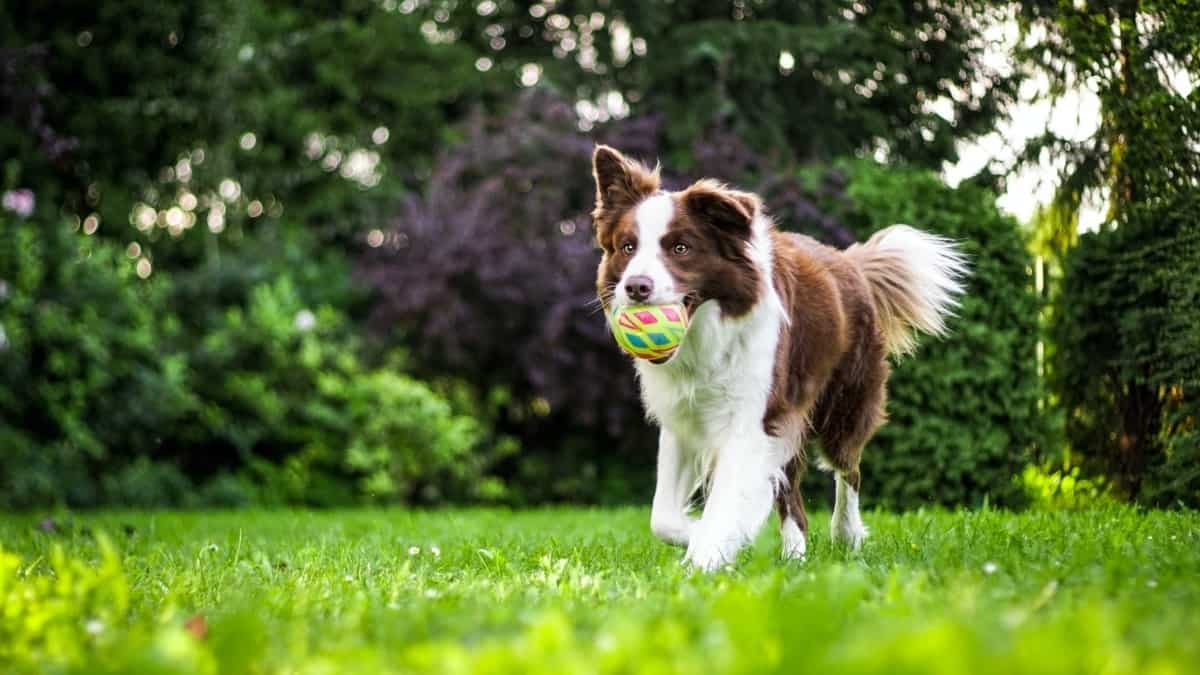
(788, 336)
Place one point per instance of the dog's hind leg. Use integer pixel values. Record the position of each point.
(848, 418)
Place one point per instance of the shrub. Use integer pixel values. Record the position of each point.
(103, 400)
(290, 396)
(87, 375)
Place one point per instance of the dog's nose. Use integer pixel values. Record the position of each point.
(639, 287)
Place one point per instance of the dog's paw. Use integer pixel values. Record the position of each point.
(795, 544)
(676, 531)
(848, 532)
(708, 556)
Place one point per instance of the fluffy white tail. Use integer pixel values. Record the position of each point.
(915, 279)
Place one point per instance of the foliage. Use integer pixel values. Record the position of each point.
(309, 108)
(235, 151)
(292, 389)
(1062, 487)
(490, 276)
(241, 153)
(590, 591)
(62, 616)
(810, 80)
(1134, 55)
(105, 401)
(963, 410)
(85, 379)
(1123, 360)
(1127, 367)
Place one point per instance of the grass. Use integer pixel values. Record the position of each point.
(571, 590)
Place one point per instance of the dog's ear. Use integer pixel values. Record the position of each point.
(620, 182)
(729, 211)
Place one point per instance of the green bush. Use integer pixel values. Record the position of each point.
(104, 400)
(963, 418)
(320, 426)
(87, 374)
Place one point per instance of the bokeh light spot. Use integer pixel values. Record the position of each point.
(787, 62)
(230, 190)
(530, 72)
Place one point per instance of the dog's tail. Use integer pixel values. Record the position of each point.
(915, 278)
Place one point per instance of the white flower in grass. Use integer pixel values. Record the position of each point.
(435, 551)
(414, 550)
(94, 626)
(990, 567)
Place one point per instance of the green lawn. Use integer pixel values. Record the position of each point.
(555, 591)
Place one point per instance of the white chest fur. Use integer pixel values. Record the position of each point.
(718, 382)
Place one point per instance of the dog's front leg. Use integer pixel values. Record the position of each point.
(674, 486)
(740, 498)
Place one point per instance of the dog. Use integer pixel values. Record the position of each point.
(787, 337)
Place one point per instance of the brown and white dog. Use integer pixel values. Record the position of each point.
(787, 336)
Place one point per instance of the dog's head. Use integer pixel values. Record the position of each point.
(672, 247)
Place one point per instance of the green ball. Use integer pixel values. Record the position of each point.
(651, 332)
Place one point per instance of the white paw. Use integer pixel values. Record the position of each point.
(708, 556)
(795, 545)
(849, 532)
(675, 531)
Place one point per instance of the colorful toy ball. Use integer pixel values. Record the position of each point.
(649, 331)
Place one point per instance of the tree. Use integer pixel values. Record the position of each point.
(804, 81)
(1129, 398)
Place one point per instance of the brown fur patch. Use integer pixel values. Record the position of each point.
(830, 367)
(621, 183)
(811, 345)
(716, 228)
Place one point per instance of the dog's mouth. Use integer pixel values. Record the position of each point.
(689, 303)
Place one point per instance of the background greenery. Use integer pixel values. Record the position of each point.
(323, 254)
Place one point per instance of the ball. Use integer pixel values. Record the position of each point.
(650, 332)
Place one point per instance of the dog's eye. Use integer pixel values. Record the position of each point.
(627, 248)
(680, 248)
